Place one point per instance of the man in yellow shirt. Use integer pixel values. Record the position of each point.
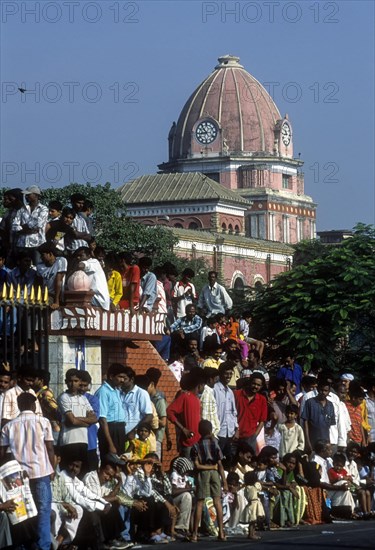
(114, 282)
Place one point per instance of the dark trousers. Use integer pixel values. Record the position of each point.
(117, 433)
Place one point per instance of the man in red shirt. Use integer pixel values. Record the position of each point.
(251, 409)
(185, 411)
(131, 280)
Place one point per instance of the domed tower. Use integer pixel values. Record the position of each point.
(231, 130)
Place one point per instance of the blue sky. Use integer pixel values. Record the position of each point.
(110, 77)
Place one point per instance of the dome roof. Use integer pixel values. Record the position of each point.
(240, 105)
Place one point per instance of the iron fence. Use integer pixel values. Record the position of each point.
(24, 324)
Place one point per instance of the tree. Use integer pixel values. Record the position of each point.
(323, 310)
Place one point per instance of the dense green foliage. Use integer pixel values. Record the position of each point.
(323, 310)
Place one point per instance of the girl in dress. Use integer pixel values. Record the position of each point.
(254, 511)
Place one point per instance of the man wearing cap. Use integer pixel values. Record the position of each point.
(345, 379)
(29, 224)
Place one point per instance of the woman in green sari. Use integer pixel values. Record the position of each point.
(291, 506)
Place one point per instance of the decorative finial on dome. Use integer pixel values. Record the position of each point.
(228, 61)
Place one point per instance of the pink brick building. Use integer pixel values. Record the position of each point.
(231, 178)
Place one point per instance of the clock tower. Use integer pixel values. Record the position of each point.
(231, 130)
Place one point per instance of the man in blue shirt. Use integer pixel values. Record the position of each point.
(318, 416)
(111, 433)
(191, 324)
(136, 402)
(291, 371)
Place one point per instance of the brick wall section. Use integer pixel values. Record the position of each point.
(140, 359)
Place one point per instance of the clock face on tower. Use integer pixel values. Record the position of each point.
(206, 132)
(286, 134)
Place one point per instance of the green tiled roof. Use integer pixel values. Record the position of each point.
(163, 188)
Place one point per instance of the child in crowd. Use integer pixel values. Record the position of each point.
(141, 444)
(209, 335)
(338, 474)
(353, 453)
(221, 327)
(292, 436)
(207, 458)
(177, 365)
(265, 470)
(234, 485)
(254, 511)
(182, 493)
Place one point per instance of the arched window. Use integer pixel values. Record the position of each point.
(258, 286)
(237, 229)
(238, 284)
(223, 227)
(178, 225)
(193, 225)
(230, 228)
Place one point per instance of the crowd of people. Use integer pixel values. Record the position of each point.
(257, 447)
(253, 453)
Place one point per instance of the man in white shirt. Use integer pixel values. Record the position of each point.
(77, 415)
(98, 280)
(183, 293)
(29, 224)
(213, 298)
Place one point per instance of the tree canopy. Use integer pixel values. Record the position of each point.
(323, 310)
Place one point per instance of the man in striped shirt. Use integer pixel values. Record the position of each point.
(30, 440)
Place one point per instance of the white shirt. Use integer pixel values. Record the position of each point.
(98, 283)
(226, 410)
(160, 293)
(177, 368)
(180, 290)
(26, 436)
(80, 494)
(37, 219)
(79, 406)
(215, 299)
(92, 482)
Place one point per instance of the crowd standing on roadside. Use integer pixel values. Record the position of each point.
(257, 447)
